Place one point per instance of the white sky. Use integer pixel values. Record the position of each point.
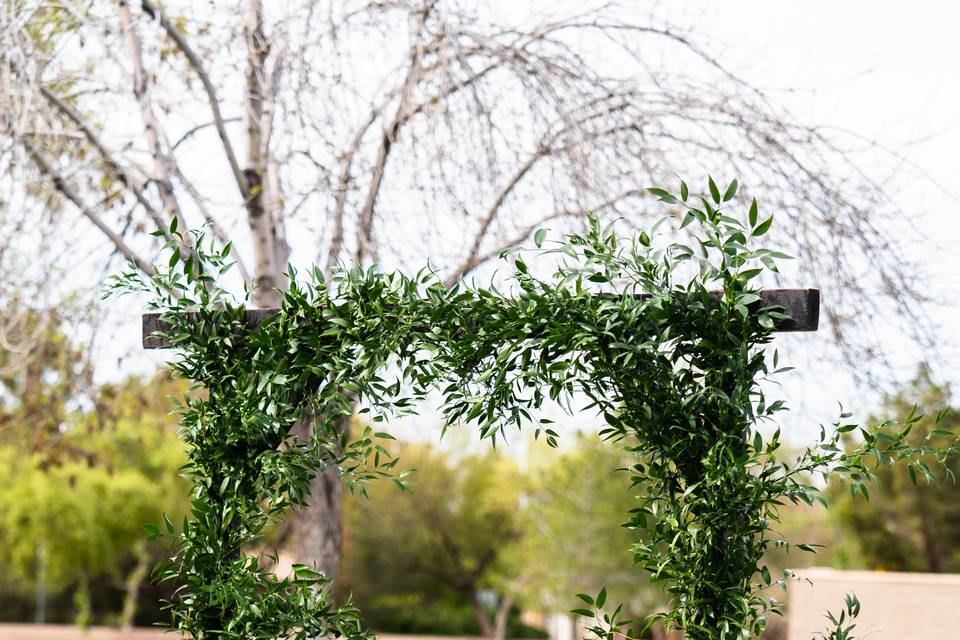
(886, 71)
(883, 70)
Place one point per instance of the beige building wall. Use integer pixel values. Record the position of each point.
(894, 606)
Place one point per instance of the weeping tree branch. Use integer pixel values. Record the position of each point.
(63, 188)
(342, 188)
(524, 234)
(365, 226)
(141, 89)
(155, 11)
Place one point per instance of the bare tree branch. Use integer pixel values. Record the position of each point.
(189, 133)
(61, 186)
(113, 166)
(524, 234)
(365, 225)
(470, 261)
(346, 159)
(155, 11)
(161, 173)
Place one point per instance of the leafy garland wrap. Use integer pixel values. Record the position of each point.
(635, 327)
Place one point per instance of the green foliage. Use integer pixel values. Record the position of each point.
(573, 536)
(80, 503)
(843, 623)
(474, 522)
(910, 521)
(446, 540)
(86, 518)
(631, 326)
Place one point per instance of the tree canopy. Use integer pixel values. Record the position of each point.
(72, 513)
(449, 538)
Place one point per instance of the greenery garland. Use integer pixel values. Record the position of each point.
(635, 327)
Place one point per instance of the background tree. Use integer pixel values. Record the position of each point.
(447, 541)
(906, 526)
(367, 131)
(576, 540)
(474, 525)
(72, 511)
(42, 381)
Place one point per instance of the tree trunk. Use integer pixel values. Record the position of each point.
(486, 626)
(133, 582)
(317, 536)
(262, 190)
(315, 533)
(315, 529)
(503, 617)
(930, 551)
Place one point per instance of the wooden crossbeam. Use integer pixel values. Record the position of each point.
(802, 305)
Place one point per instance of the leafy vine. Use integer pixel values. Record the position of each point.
(664, 340)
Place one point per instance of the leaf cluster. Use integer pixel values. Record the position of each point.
(664, 340)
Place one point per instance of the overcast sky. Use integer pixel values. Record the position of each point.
(886, 71)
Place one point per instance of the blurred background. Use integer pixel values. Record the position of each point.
(408, 133)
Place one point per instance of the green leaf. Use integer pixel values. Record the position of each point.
(663, 195)
(731, 191)
(714, 191)
(753, 213)
(762, 228)
(539, 236)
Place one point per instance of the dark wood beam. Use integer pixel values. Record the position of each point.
(802, 305)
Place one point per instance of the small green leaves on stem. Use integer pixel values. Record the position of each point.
(632, 325)
(842, 624)
(539, 237)
(600, 623)
(731, 191)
